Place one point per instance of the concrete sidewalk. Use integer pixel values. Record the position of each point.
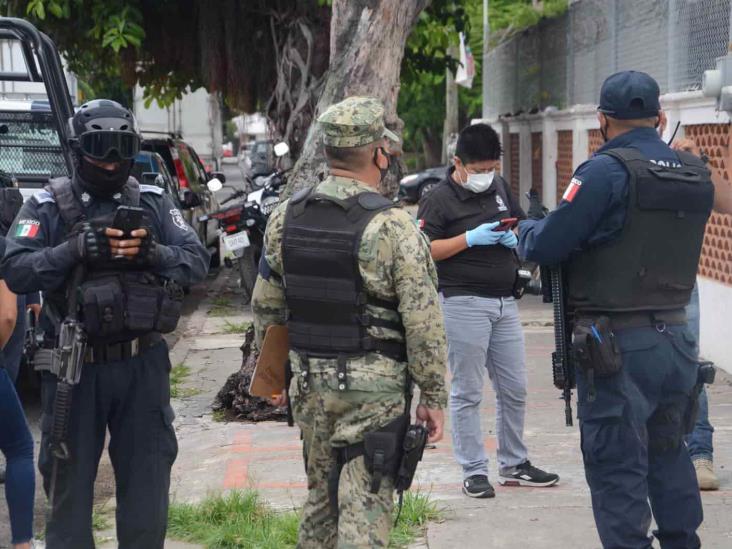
(216, 457)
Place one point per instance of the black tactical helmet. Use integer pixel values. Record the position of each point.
(104, 130)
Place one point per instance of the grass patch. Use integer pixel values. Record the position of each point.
(236, 327)
(178, 375)
(221, 301)
(219, 416)
(100, 521)
(236, 520)
(240, 519)
(417, 511)
(221, 306)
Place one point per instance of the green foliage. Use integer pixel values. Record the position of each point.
(240, 519)
(516, 15)
(422, 94)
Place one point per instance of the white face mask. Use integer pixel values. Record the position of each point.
(479, 182)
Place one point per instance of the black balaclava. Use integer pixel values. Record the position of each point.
(100, 182)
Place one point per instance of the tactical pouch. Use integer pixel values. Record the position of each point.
(143, 304)
(596, 350)
(123, 306)
(102, 307)
(412, 449)
(383, 451)
(171, 302)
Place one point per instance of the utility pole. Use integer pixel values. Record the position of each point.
(486, 50)
(451, 106)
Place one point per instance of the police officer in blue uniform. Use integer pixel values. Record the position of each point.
(126, 300)
(629, 232)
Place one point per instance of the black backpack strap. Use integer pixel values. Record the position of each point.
(68, 205)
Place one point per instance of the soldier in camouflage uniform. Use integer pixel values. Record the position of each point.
(336, 400)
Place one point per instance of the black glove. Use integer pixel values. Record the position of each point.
(536, 208)
(148, 249)
(91, 244)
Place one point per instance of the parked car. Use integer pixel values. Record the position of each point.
(150, 169)
(416, 185)
(191, 178)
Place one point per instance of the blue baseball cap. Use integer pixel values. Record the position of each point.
(628, 95)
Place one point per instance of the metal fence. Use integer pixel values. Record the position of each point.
(29, 146)
(563, 61)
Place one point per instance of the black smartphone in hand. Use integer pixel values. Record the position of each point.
(128, 219)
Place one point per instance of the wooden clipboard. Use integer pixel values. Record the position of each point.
(268, 379)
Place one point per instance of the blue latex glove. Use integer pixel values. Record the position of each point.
(483, 235)
(508, 239)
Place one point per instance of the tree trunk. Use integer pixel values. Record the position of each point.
(367, 40)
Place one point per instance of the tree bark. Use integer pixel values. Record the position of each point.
(367, 40)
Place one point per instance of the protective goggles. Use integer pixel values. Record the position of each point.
(109, 144)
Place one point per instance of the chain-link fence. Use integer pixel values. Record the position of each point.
(563, 61)
(29, 145)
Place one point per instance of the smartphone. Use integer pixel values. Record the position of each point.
(506, 224)
(127, 219)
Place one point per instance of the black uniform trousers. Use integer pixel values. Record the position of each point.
(632, 441)
(131, 398)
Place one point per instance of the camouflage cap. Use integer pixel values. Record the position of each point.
(355, 122)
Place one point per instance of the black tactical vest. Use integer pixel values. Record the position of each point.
(325, 294)
(652, 266)
(118, 300)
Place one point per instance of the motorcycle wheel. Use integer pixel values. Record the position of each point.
(248, 267)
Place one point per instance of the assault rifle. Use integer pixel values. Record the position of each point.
(68, 358)
(30, 338)
(553, 285)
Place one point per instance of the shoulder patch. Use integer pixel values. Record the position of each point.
(178, 220)
(572, 189)
(151, 189)
(43, 196)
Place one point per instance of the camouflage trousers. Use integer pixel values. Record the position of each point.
(331, 418)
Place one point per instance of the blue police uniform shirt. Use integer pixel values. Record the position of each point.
(38, 255)
(594, 208)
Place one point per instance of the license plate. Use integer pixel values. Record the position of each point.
(236, 241)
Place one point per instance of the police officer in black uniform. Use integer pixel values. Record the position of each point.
(630, 229)
(126, 299)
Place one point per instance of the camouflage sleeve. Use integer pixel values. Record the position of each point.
(268, 298)
(415, 284)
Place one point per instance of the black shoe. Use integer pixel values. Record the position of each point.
(478, 486)
(527, 475)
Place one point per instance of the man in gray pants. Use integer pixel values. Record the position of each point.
(477, 269)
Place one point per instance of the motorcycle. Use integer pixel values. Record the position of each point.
(242, 227)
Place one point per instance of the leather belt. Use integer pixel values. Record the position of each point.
(101, 353)
(642, 319)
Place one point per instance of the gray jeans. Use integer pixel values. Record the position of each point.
(485, 335)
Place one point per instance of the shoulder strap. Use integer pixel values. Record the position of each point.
(688, 159)
(299, 201)
(131, 192)
(66, 201)
(626, 155)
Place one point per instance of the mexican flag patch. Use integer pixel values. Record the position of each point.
(27, 228)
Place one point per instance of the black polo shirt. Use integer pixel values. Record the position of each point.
(449, 210)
